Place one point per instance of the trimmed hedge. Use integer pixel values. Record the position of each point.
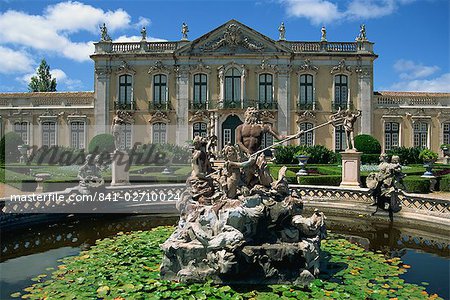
(102, 143)
(19, 181)
(57, 155)
(8, 148)
(330, 180)
(367, 144)
(444, 183)
(408, 156)
(318, 154)
(417, 184)
(370, 158)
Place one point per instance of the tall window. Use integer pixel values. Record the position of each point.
(306, 91)
(265, 88)
(391, 135)
(77, 130)
(49, 133)
(421, 134)
(340, 140)
(125, 89)
(200, 88)
(306, 139)
(340, 91)
(159, 133)
(199, 128)
(126, 136)
(232, 85)
(21, 128)
(160, 89)
(446, 133)
(226, 136)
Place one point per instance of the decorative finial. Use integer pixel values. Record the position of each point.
(144, 33)
(282, 30)
(184, 32)
(324, 34)
(104, 33)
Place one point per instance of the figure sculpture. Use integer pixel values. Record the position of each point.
(239, 225)
(120, 119)
(323, 31)
(104, 34)
(362, 33)
(144, 33)
(184, 31)
(349, 123)
(386, 185)
(282, 30)
(90, 174)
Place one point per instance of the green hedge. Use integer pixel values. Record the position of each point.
(8, 148)
(370, 158)
(417, 184)
(408, 156)
(285, 155)
(19, 181)
(102, 143)
(331, 180)
(444, 183)
(367, 144)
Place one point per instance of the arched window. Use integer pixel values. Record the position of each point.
(21, 128)
(159, 133)
(160, 89)
(340, 140)
(77, 134)
(232, 85)
(340, 91)
(199, 128)
(48, 133)
(265, 88)
(391, 135)
(306, 92)
(306, 139)
(421, 134)
(125, 82)
(446, 133)
(200, 88)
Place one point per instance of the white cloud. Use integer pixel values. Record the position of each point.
(317, 11)
(62, 80)
(51, 31)
(135, 38)
(438, 84)
(411, 70)
(327, 11)
(143, 22)
(13, 61)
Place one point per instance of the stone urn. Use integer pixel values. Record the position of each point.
(23, 153)
(302, 161)
(428, 165)
(445, 150)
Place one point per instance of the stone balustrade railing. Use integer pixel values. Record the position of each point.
(50, 99)
(396, 101)
(331, 46)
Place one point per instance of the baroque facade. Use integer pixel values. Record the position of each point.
(178, 89)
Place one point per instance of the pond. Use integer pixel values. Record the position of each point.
(28, 252)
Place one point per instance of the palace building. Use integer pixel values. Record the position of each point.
(178, 89)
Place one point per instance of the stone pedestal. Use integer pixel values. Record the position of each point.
(351, 162)
(120, 175)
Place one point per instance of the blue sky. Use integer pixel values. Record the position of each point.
(411, 36)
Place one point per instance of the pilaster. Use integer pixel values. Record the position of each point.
(102, 99)
(182, 107)
(283, 100)
(365, 87)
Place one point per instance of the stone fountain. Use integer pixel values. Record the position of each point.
(238, 224)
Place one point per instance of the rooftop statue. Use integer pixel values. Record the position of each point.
(144, 33)
(282, 30)
(104, 34)
(386, 185)
(184, 31)
(362, 33)
(323, 31)
(237, 223)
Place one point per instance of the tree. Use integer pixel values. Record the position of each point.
(43, 81)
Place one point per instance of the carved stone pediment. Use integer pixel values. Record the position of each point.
(306, 115)
(232, 37)
(199, 116)
(125, 68)
(200, 67)
(341, 67)
(266, 67)
(159, 116)
(267, 116)
(159, 67)
(307, 67)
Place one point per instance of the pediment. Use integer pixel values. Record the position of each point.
(232, 37)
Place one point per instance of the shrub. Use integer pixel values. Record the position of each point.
(318, 154)
(160, 154)
(286, 154)
(321, 155)
(427, 155)
(444, 183)
(408, 156)
(8, 148)
(57, 155)
(370, 158)
(417, 184)
(367, 144)
(331, 180)
(102, 143)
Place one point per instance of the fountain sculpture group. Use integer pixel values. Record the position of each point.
(240, 225)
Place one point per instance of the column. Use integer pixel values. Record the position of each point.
(283, 100)
(182, 107)
(365, 94)
(102, 100)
